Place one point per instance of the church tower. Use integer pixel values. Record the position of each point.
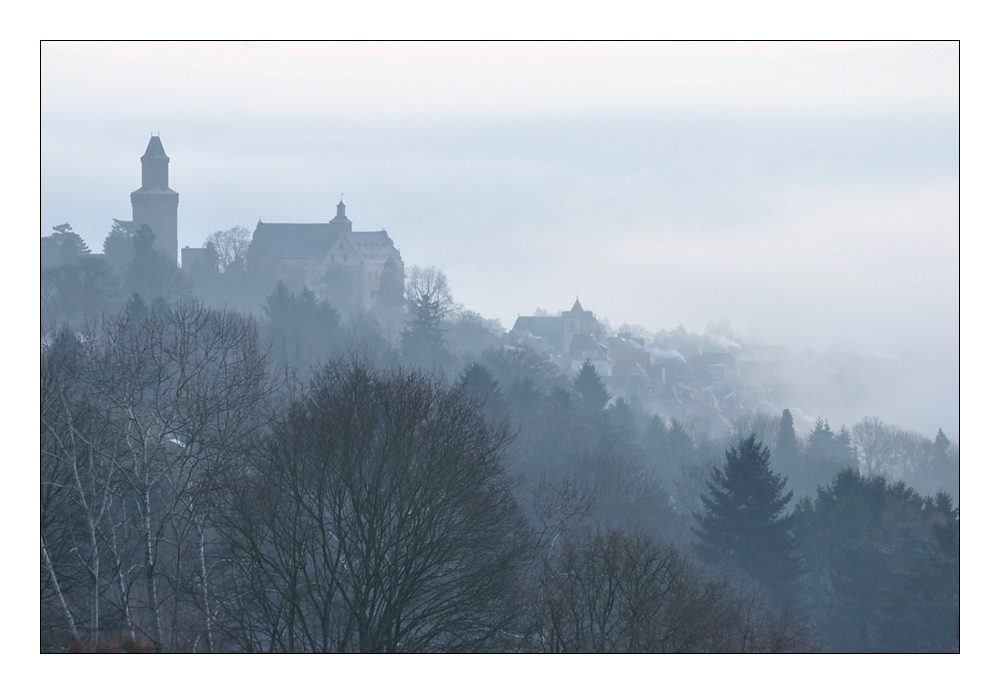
(341, 222)
(155, 204)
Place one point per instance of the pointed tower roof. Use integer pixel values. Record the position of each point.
(577, 308)
(154, 150)
(341, 220)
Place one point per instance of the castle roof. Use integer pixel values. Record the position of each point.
(291, 241)
(373, 247)
(154, 149)
(313, 242)
(577, 308)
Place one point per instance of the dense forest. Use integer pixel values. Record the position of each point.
(229, 465)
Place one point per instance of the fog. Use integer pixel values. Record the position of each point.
(806, 193)
(398, 436)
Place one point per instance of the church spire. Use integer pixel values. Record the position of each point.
(341, 221)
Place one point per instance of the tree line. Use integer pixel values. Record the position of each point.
(198, 496)
(323, 480)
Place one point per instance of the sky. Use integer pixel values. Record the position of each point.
(806, 192)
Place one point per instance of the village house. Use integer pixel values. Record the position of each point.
(556, 333)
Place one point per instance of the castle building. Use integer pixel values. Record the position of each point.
(154, 203)
(330, 258)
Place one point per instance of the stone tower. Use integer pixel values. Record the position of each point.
(155, 204)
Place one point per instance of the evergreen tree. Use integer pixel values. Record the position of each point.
(302, 322)
(478, 384)
(588, 384)
(279, 308)
(623, 418)
(786, 450)
(389, 300)
(883, 565)
(118, 245)
(524, 397)
(63, 247)
(422, 343)
(742, 525)
(668, 447)
(824, 455)
(680, 445)
(821, 440)
(152, 274)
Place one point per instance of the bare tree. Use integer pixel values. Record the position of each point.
(231, 248)
(76, 490)
(622, 593)
(377, 519)
(430, 286)
(162, 404)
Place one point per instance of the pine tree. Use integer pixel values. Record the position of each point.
(119, 247)
(786, 450)
(389, 299)
(588, 384)
(680, 445)
(422, 343)
(482, 388)
(279, 308)
(743, 525)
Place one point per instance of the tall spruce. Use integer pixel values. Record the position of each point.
(786, 450)
(588, 384)
(742, 525)
(422, 343)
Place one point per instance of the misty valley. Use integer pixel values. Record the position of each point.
(292, 441)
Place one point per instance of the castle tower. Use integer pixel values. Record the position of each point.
(341, 222)
(155, 204)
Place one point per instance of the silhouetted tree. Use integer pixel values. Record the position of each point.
(63, 246)
(301, 325)
(389, 301)
(231, 248)
(422, 343)
(152, 274)
(590, 387)
(119, 248)
(478, 384)
(378, 518)
(786, 450)
(742, 525)
(78, 291)
(882, 565)
(621, 593)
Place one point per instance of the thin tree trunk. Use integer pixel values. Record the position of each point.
(204, 586)
(55, 581)
(150, 574)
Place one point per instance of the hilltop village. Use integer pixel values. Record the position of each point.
(706, 383)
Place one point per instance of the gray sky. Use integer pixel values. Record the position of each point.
(806, 192)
